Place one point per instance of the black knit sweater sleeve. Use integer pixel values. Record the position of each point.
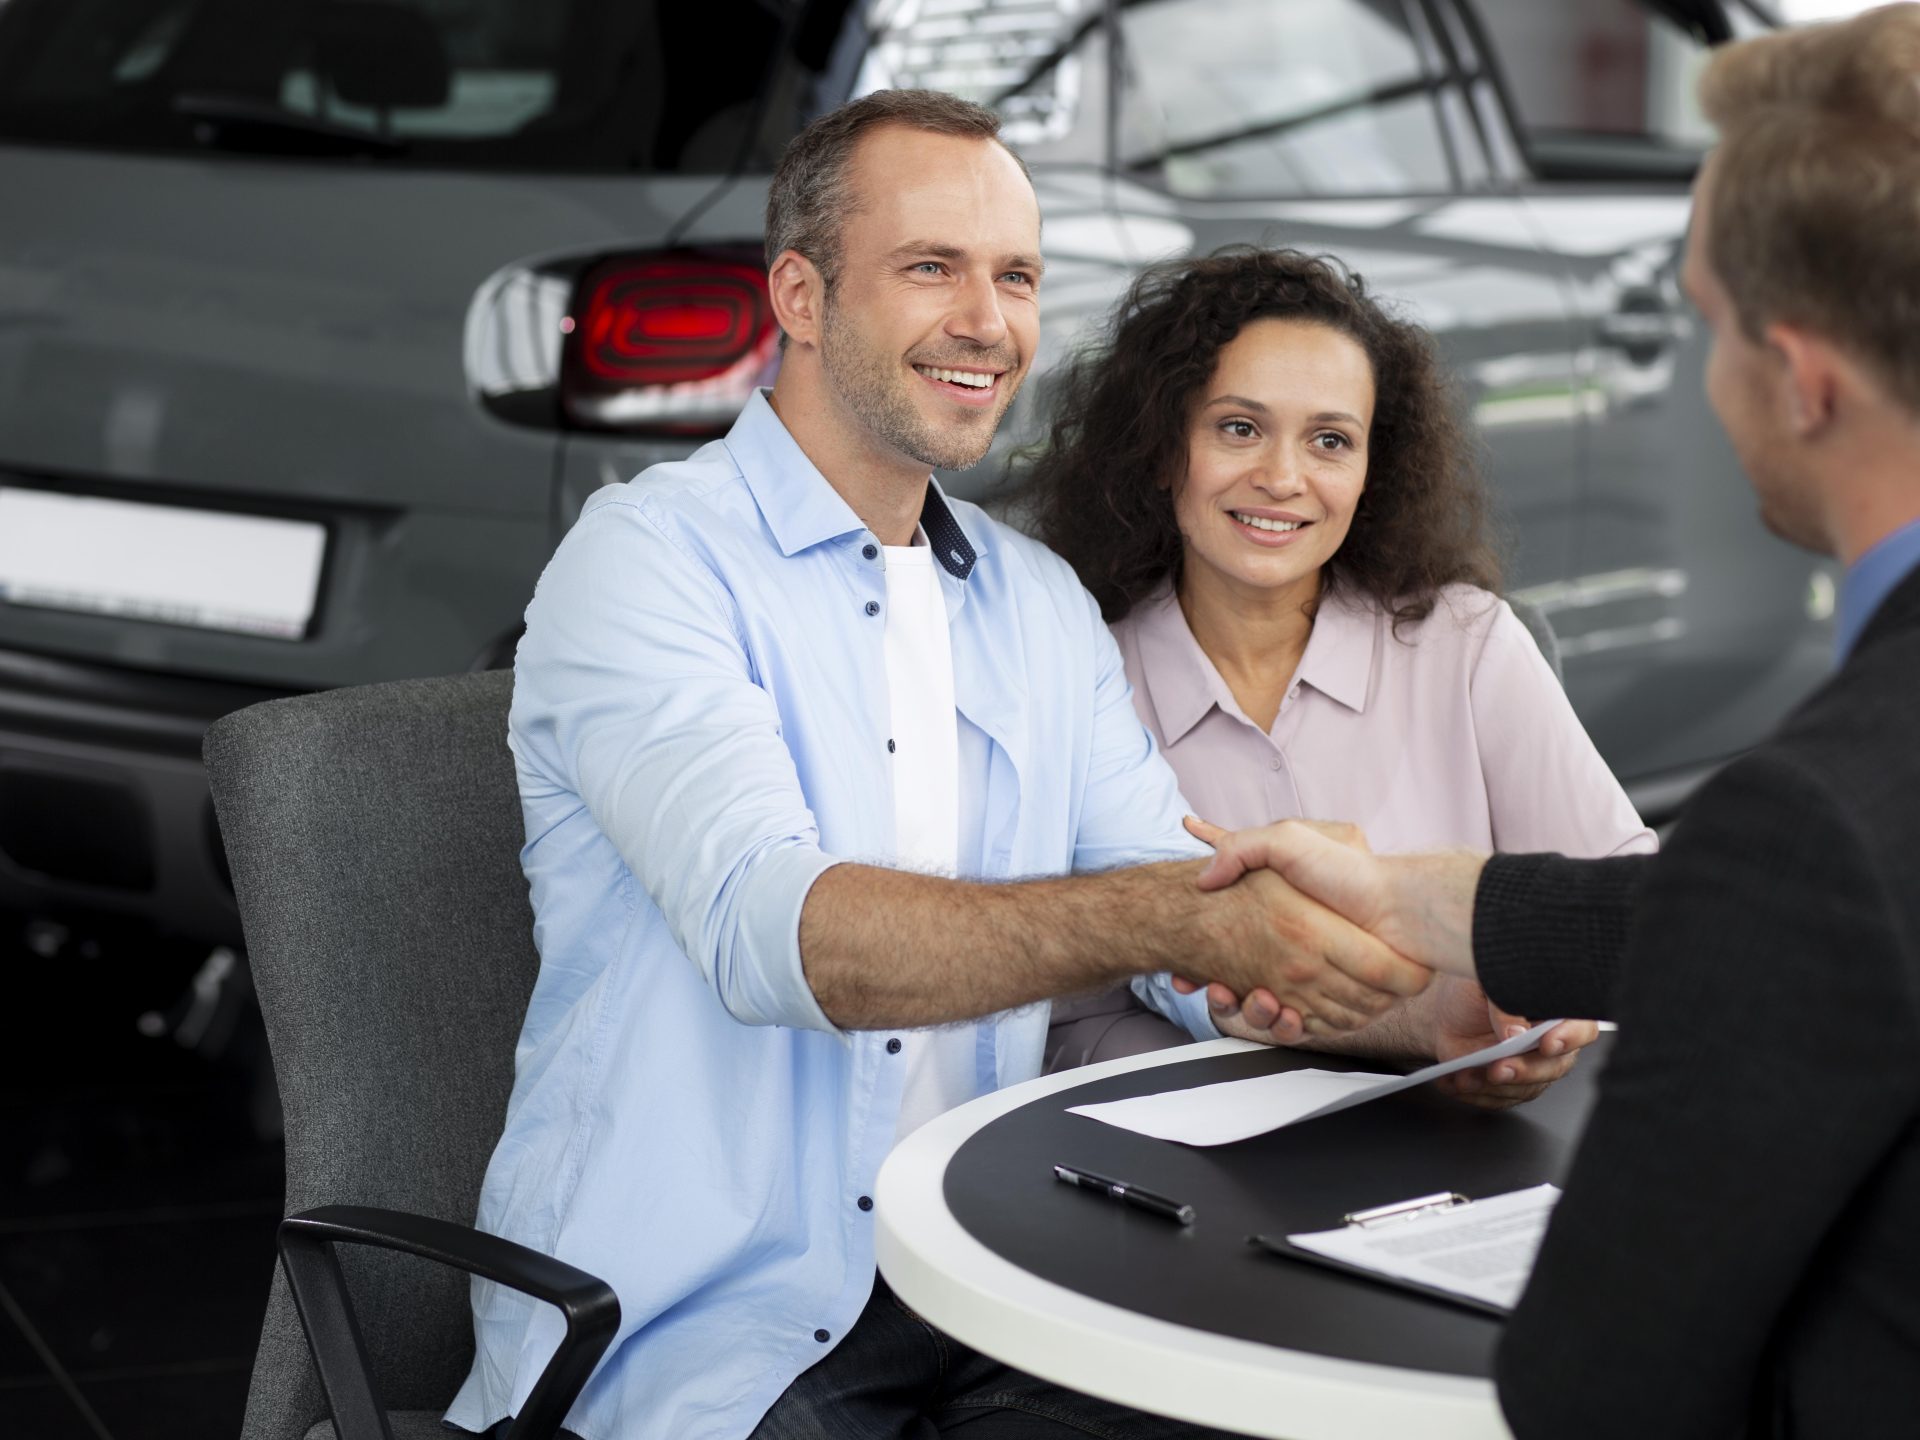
(1549, 933)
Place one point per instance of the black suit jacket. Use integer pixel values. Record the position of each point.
(1738, 1248)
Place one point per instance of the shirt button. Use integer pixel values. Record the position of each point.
(873, 607)
(868, 552)
(893, 1047)
(889, 747)
(822, 1336)
(865, 1202)
(1274, 764)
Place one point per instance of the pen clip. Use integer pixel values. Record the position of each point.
(1405, 1209)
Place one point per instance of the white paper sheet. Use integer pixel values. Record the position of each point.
(1485, 1250)
(1239, 1109)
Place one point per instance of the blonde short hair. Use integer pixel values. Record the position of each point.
(1815, 186)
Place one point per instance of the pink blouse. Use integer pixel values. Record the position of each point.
(1454, 733)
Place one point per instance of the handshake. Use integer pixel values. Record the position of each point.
(1345, 950)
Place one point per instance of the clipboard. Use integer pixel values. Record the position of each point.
(1383, 1215)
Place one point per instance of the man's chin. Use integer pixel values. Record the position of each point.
(1795, 528)
(959, 447)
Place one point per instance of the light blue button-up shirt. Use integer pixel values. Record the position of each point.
(700, 729)
(1869, 580)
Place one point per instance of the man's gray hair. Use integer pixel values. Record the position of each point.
(813, 192)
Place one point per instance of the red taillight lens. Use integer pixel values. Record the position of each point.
(670, 342)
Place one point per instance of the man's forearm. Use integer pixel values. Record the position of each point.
(887, 947)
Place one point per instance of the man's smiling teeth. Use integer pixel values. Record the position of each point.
(977, 379)
(1260, 522)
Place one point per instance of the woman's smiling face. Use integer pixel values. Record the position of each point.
(1276, 458)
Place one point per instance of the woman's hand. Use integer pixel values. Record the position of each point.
(1464, 1021)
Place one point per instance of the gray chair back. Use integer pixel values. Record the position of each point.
(374, 838)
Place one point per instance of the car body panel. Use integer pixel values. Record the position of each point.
(1686, 628)
(274, 338)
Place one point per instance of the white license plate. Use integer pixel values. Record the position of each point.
(245, 573)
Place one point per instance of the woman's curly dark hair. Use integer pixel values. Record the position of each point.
(1121, 414)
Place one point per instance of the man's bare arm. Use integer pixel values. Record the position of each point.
(886, 947)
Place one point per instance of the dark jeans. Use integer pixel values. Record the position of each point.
(895, 1377)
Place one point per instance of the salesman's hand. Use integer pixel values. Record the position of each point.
(1420, 905)
(1464, 1021)
(1267, 937)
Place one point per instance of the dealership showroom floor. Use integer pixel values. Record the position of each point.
(140, 1182)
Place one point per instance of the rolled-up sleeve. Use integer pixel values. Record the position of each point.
(634, 690)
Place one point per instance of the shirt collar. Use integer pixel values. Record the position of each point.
(1180, 680)
(803, 509)
(1339, 656)
(1868, 582)
(1184, 684)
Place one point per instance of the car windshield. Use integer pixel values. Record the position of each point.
(507, 84)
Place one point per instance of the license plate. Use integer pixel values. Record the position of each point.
(249, 574)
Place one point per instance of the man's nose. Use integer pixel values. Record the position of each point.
(976, 314)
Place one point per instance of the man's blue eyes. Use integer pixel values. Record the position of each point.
(934, 267)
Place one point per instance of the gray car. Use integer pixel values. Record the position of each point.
(318, 322)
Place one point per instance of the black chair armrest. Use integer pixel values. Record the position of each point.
(591, 1309)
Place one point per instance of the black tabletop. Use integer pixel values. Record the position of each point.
(1000, 1187)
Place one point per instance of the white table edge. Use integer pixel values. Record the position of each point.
(1048, 1330)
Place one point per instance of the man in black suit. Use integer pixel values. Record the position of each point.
(1738, 1248)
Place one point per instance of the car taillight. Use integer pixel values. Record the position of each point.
(673, 342)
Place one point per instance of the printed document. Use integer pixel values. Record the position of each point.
(1239, 1109)
(1483, 1250)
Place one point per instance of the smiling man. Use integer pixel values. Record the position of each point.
(769, 701)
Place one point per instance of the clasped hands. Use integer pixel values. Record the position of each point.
(1367, 953)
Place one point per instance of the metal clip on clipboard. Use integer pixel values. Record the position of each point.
(1405, 1209)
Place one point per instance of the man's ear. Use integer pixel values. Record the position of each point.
(1807, 370)
(797, 292)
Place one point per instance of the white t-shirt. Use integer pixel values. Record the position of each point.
(924, 729)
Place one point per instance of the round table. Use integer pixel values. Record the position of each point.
(976, 1235)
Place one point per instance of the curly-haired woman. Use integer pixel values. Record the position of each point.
(1262, 478)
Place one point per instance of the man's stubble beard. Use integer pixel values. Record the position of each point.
(871, 386)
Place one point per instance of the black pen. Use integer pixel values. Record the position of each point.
(1128, 1194)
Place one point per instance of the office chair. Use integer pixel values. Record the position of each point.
(374, 836)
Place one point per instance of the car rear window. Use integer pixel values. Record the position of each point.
(579, 85)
